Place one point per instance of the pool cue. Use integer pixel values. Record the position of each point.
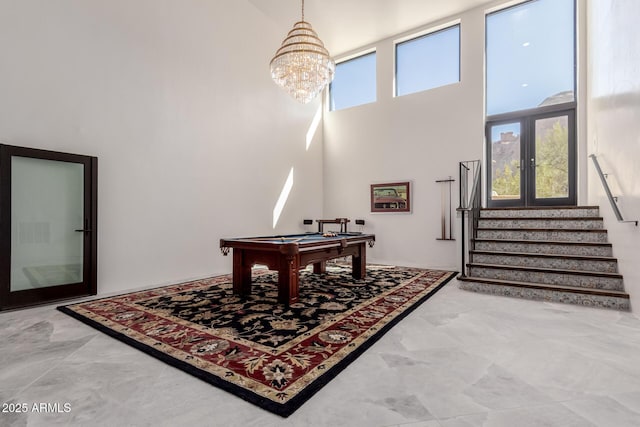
(442, 214)
(450, 221)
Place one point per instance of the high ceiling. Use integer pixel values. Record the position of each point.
(344, 25)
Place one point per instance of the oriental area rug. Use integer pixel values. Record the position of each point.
(268, 354)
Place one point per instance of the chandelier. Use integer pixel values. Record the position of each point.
(302, 65)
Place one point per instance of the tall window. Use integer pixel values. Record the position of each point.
(531, 103)
(428, 61)
(354, 82)
(530, 56)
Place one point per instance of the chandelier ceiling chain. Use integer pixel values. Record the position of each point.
(302, 66)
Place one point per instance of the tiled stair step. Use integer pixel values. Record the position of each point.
(566, 294)
(570, 235)
(549, 276)
(562, 211)
(545, 247)
(563, 262)
(542, 222)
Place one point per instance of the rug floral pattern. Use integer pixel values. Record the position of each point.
(267, 353)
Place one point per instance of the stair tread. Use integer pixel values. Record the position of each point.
(548, 242)
(569, 230)
(539, 255)
(545, 269)
(531, 208)
(593, 291)
(543, 218)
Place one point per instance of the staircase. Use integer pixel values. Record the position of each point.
(551, 254)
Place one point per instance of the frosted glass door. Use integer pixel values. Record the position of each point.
(47, 207)
(48, 226)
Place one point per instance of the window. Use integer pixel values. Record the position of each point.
(428, 61)
(530, 56)
(354, 82)
(531, 103)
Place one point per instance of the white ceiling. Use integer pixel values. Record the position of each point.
(344, 25)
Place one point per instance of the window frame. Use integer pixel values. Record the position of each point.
(531, 110)
(360, 54)
(420, 35)
(528, 116)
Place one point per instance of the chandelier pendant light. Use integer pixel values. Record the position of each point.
(302, 66)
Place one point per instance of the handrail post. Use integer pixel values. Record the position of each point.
(607, 191)
(462, 214)
(468, 203)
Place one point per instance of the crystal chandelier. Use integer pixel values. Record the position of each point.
(302, 65)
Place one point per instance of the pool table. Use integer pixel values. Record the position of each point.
(289, 253)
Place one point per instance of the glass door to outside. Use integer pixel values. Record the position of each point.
(48, 226)
(532, 160)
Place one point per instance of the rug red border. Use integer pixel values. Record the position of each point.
(268, 402)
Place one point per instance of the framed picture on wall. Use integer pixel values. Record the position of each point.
(391, 197)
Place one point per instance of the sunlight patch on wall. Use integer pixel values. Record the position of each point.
(314, 126)
(282, 200)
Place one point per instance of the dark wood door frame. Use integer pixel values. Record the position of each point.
(88, 286)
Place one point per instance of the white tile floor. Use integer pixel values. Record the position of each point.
(461, 359)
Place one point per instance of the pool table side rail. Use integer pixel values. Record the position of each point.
(296, 246)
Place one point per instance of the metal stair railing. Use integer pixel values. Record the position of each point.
(612, 199)
(470, 202)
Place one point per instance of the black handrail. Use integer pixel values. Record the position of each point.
(612, 199)
(469, 173)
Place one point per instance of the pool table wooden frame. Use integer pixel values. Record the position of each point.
(288, 254)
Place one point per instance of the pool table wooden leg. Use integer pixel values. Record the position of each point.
(320, 267)
(288, 280)
(241, 274)
(359, 262)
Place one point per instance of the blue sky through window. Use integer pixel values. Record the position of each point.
(530, 55)
(428, 61)
(354, 82)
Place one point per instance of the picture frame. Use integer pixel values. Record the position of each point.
(391, 197)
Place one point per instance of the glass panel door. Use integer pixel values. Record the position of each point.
(48, 226)
(552, 164)
(47, 207)
(504, 160)
(532, 160)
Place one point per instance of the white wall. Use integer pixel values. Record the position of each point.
(614, 125)
(419, 137)
(194, 140)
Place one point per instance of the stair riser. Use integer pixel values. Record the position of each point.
(549, 295)
(542, 248)
(554, 235)
(546, 277)
(590, 224)
(543, 262)
(565, 213)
